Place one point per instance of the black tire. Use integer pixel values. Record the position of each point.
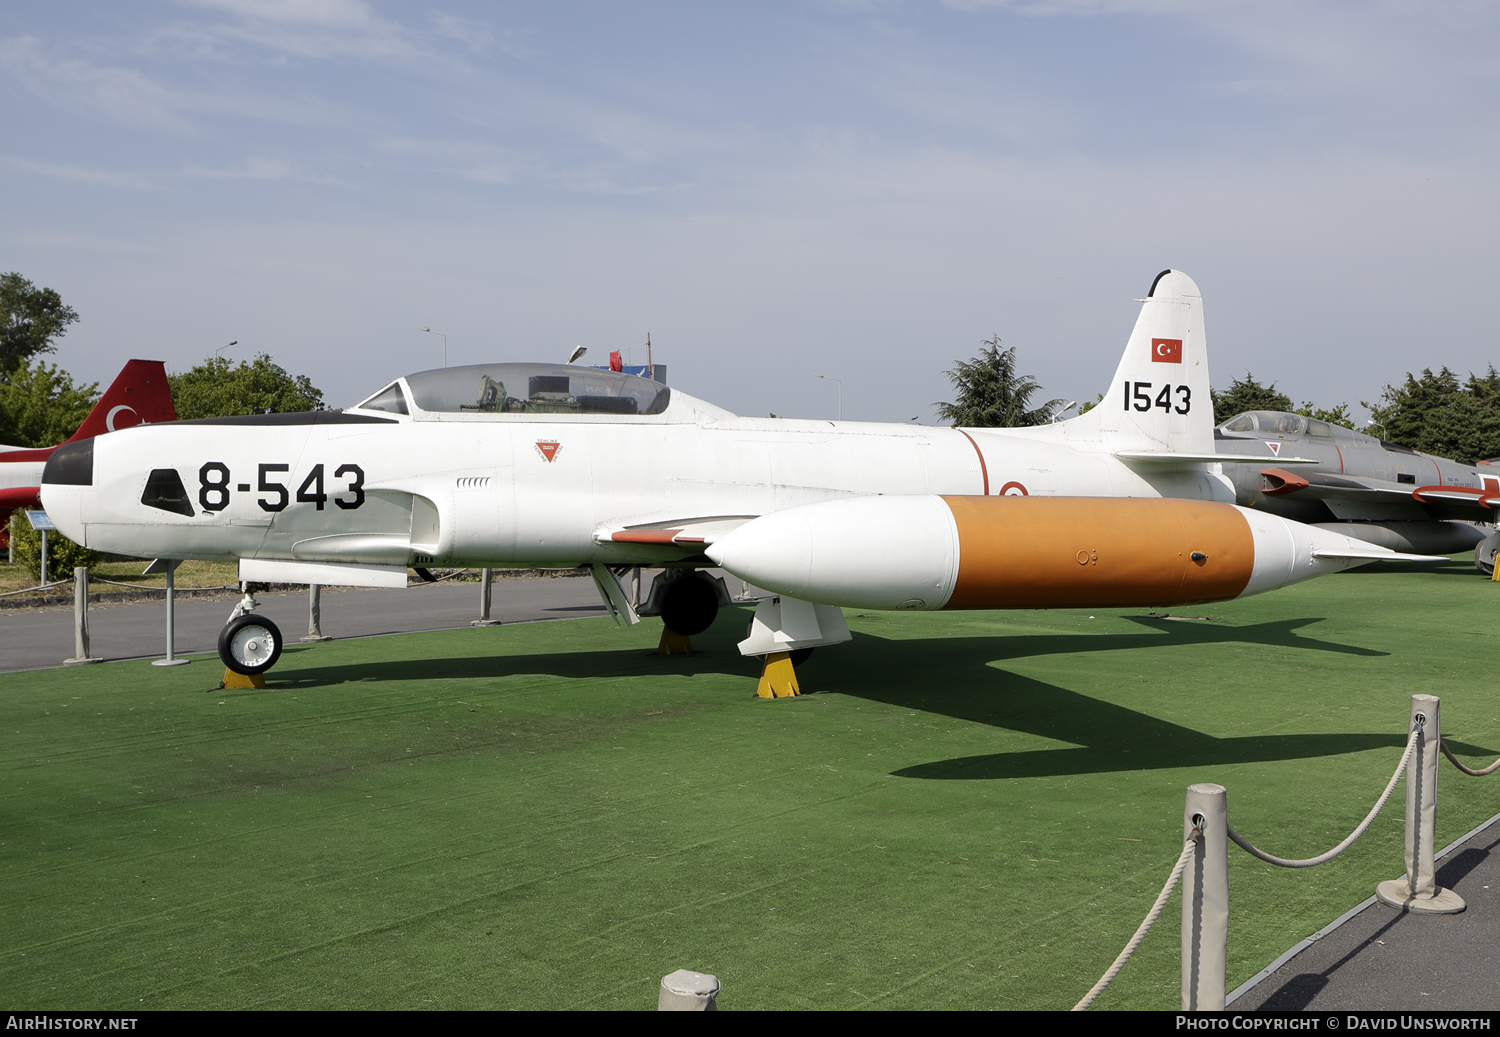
(248, 636)
(690, 605)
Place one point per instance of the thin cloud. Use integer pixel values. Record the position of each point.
(263, 169)
(83, 174)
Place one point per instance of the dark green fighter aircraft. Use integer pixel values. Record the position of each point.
(1363, 487)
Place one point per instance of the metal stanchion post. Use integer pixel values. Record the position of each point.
(315, 614)
(80, 618)
(171, 659)
(43, 581)
(688, 991)
(1417, 890)
(485, 589)
(1205, 900)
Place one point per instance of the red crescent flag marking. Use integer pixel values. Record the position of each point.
(1166, 351)
(549, 450)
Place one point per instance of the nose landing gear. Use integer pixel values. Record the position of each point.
(248, 645)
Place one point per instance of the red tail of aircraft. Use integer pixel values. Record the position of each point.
(139, 395)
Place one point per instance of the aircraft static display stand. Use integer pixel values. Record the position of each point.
(550, 465)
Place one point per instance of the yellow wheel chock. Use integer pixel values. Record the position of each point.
(241, 680)
(673, 643)
(778, 678)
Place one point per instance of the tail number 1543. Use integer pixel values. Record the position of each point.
(1138, 397)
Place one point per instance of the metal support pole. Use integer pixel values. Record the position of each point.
(688, 991)
(1417, 891)
(43, 581)
(485, 590)
(171, 659)
(1205, 900)
(80, 618)
(315, 614)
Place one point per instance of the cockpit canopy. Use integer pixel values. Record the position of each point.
(522, 389)
(1282, 424)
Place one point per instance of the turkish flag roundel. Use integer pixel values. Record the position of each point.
(1166, 350)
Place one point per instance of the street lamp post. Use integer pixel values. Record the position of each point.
(841, 391)
(445, 343)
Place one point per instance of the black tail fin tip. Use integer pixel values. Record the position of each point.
(1159, 276)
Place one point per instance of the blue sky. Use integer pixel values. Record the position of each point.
(864, 190)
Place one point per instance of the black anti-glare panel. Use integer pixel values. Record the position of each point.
(71, 464)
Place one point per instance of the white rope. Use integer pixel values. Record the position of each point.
(1140, 934)
(1471, 773)
(39, 587)
(1411, 744)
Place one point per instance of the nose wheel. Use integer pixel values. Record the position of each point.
(250, 645)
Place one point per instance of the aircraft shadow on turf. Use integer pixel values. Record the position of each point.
(966, 685)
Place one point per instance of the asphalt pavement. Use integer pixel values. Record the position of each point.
(34, 638)
(1382, 959)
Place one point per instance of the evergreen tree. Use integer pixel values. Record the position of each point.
(991, 394)
(1439, 415)
(1247, 394)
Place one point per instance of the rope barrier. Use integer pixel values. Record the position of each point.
(39, 587)
(1244, 844)
(1140, 934)
(1471, 773)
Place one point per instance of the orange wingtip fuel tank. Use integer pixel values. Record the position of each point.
(930, 552)
(1060, 552)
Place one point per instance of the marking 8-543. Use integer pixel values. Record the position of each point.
(213, 487)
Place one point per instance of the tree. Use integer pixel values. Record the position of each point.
(218, 389)
(1439, 415)
(991, 394)
(1247, 394)
(31, 319)
(1337, 416)
(40, 406)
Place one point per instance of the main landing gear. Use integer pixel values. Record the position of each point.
(688, 603)
(248, 645)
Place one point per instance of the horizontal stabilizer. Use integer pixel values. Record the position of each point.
(1165, 457)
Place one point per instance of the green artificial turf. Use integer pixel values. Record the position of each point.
(970, 810)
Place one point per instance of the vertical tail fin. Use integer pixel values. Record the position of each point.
(139, 395)
(1159, 399)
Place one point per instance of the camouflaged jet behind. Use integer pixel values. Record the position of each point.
(1366, 488)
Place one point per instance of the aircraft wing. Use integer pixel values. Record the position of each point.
(1452, 500)
(692, 534)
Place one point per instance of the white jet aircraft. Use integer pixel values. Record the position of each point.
(547, 465)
